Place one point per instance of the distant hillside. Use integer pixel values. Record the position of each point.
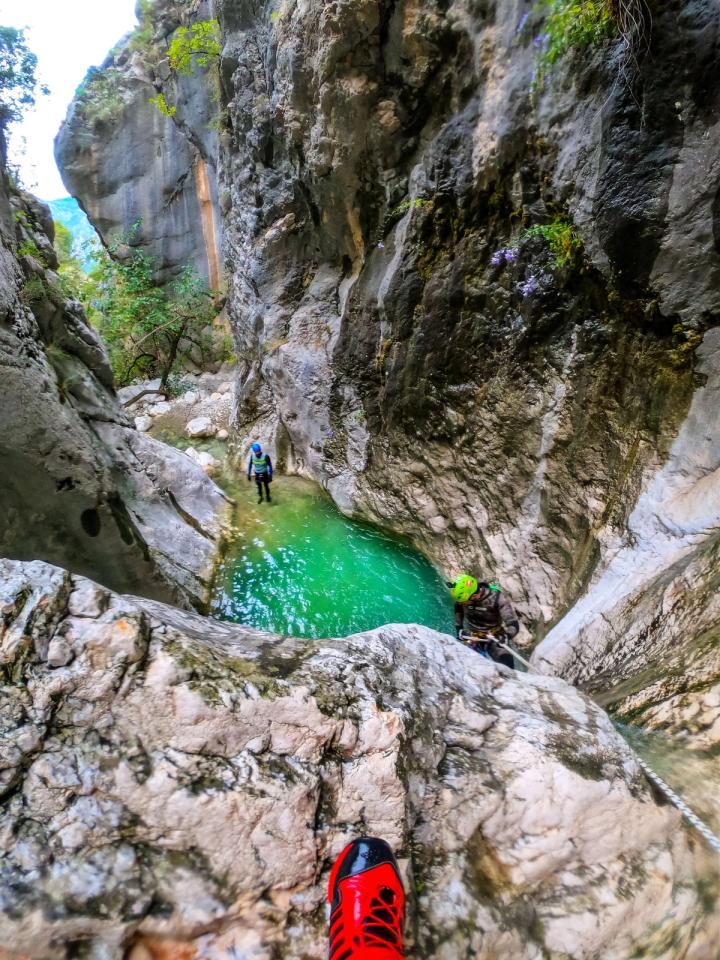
(69, 213)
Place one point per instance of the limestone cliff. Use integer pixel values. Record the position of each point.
(406, 334)
(177, 787)
(79, 485)
(503, 410)
(126, 161)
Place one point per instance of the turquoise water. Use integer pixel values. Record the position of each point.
(298, 567)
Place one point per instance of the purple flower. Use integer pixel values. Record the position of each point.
(529, 287)
(506, 255)
(523, 21)
(381, 246)
(540, 40)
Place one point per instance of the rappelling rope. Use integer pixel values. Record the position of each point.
(668, 792)
(678, 802)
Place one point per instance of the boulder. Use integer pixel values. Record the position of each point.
(143, 423)
(200, 427)
(204, 459)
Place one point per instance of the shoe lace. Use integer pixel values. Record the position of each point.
(381, 928)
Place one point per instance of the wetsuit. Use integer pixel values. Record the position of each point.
(488, 610)
(262, 465)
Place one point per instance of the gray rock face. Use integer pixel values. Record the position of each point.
(79, 486)
(127, 161)
(503, 414)
(650, 614)
(173, 786)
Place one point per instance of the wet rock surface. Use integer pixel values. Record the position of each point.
(173, 783)
(79, 485)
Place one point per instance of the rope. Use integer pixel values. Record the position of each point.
(677, 801)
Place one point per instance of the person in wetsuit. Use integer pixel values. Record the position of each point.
(261, 464)
(482, 607)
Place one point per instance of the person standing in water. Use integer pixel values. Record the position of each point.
(262, 465)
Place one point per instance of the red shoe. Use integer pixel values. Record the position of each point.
(367, 903)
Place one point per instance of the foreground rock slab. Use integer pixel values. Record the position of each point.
(176, 786)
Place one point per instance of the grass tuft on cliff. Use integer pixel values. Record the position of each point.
(579, 24)
(574, 24)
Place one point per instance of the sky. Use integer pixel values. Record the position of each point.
(68, 36)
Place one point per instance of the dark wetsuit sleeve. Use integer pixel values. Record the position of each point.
(509, 617)
(459, 616)
(269, 465)
(249, 468)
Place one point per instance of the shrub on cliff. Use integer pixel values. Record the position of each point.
(99, 98)
(197, 45)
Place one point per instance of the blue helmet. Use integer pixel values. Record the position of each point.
(256, 448)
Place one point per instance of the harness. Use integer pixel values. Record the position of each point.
(260, 463)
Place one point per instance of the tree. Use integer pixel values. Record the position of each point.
(72, 275)
(19, 85)
(148, 330)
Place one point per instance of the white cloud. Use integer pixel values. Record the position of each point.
(68, 36)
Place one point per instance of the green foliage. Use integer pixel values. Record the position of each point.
(142, 38)
(62, 363)
(220, 122)
(163, 106)
(226, 350)
(71, 273)
(19, 85)
(28, 248)
(148, 330)
(99, 98)
(561, 237)
(197, 45)
(276, 17)
(402, 208)
(176, 386)
(397, 212)
(573, 24)
(33, 290)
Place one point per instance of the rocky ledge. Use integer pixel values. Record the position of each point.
(80, 487)
(174, 786)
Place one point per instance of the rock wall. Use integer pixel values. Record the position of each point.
(176, 787)
(504, 414)
(79, 486)
(126, 161)
(651, 617)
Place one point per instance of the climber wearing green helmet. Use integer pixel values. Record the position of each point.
(482, 608)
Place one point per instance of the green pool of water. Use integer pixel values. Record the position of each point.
(298, 567)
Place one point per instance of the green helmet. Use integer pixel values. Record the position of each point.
(463, 587)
